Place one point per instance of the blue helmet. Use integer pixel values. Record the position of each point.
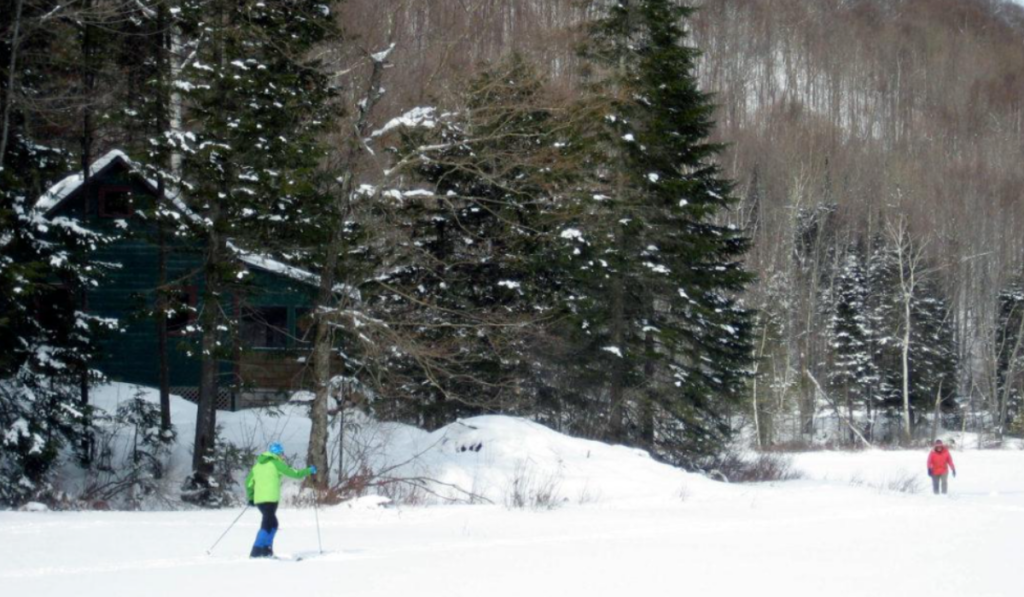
(275, 448)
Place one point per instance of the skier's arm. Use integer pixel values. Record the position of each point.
(250, 487)
(288, 471)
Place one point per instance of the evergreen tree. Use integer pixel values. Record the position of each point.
(473, 279)
(255, 105)
(854, 374)
(932, 354)
(47, 340)
(1009, 344)
(656, 307)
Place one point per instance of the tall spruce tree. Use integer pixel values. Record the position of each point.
(658, 274)
(255, 105)
(473, 281)
(47, 341)
(854, 374)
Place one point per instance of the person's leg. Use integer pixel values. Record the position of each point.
(261, 547)
(272, 530)
(945, 483)
(935, 484)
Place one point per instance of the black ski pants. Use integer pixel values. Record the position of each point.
(269, 512)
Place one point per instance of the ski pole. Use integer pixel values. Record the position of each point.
(316, 513)
(237, 518)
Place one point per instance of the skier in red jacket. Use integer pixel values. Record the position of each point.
(940, 463)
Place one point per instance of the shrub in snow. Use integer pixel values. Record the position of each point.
(229, 460)
(899, 482)
(733, 467)
(131, 453)
(532, 490)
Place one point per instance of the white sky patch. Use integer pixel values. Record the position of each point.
(510, 284)
(629, 138)
(653, 177)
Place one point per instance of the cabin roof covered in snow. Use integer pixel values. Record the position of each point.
(268, 264)
(60, 192)
(66, 188)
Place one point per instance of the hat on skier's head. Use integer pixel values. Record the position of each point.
(938, 442)
(276, 448)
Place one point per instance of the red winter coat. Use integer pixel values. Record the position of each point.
(940, 462)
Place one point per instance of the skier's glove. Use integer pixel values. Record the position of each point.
(930, 473)
(954, 474)
(312, 470)
(252, 503)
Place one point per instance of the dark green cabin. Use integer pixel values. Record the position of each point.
(270, 347)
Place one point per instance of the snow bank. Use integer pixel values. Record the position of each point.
(506, 459)
(489, 459)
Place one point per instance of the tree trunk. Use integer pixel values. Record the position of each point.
(210, 322)
(161, 324)
(164, 61)
(323, 345)
(9, 95)
(935, 421)
(905, 358)
(647, 412)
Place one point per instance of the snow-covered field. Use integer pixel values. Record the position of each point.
(626, 526)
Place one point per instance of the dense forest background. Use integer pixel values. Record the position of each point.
(854, 129)
(875, 149)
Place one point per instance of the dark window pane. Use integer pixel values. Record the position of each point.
(264, 327)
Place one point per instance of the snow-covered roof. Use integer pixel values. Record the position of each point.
(56, 194)
(274, 266)
(59, 192)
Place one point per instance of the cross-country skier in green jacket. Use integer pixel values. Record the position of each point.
(263, 488)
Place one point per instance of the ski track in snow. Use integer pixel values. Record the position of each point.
(628, 526)
(816, 536)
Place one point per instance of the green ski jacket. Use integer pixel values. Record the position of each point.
(263, 485)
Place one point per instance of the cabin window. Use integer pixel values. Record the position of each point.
(115, 202)
(181, 309)
(265, 327)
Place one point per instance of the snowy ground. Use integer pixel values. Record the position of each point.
(628, 526)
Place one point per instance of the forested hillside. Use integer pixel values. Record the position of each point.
(857, 131)
(630, 221)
